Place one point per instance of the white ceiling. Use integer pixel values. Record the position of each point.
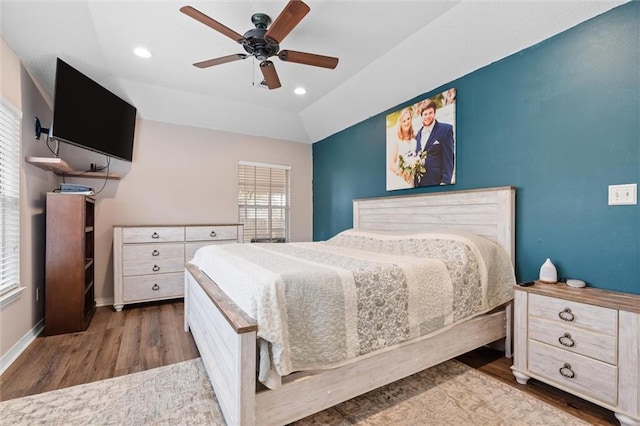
(390, 51)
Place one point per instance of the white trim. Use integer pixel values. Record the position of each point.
(20, 346)
(273, 166)
(11, 295)
(106, 301)
(9, 105)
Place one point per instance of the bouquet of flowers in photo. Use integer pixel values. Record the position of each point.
(411, 166)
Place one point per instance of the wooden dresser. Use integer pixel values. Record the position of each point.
(148, 261)
(584, 341)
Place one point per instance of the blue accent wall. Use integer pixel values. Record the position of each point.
(560, 121)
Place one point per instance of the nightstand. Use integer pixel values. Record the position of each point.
(584, 341)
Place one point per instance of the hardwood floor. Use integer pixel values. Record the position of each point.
(148, 336)
(116, 343)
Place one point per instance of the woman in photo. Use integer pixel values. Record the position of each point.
(404, 145)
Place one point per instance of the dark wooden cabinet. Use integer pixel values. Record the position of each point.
(69, 270)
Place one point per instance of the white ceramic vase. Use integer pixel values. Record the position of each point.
(548, 272)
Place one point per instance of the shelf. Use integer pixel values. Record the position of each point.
(61, 168)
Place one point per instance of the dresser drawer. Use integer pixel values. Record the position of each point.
(574, 339)
(591, 317)
(211, 233)
(159, 266)
(149, 287)
(191, 248)
(152, 252)
(152, 234)
(590, 377)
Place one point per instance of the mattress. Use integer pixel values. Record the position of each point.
(322, 304)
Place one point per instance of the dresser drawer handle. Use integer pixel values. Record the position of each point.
(213, 234)
(566, 315)
(156, 268)
(155, 253)
(155, 287)
(155, 235)
(566, 340)
(567, 372)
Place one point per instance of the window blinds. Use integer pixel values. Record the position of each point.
(9, 196)
(263, 202)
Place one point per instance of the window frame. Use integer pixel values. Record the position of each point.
(274, 192)
(10, 154)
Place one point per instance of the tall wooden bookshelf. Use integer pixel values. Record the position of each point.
(69, 270)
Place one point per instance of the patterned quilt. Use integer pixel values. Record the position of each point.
(321, 304)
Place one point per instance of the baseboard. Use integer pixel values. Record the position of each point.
(105, 302)
(20, 346)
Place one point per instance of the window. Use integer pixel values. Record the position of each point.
(263, 202)
(9, 197)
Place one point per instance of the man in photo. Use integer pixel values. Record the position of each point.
(437, 140)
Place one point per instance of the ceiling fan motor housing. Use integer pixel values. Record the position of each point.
(256, 44)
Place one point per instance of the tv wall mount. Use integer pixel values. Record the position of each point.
(40, 130)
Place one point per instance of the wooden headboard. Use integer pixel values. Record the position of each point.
(489, 212)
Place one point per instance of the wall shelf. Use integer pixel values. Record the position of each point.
(61, 168)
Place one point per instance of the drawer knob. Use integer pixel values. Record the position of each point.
(213, 234)
(155, 287)
(155, 235)
(566, 340)
(156, 268)
(566, 315)
(567, 372)
(155, 253)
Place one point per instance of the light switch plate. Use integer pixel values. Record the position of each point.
(621, 195)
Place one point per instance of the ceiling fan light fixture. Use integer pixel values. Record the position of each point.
(142, 52)
(300, 91)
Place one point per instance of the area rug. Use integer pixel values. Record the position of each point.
(450, 393)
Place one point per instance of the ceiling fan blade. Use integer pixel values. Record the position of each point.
(221, 60)
(290, 16)
(212, 23)
(270, 74)
(308, 59)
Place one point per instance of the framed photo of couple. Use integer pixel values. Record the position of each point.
(421, 143)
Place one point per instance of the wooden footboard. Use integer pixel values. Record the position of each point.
(226, 338)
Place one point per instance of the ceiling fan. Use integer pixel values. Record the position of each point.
(263, 41)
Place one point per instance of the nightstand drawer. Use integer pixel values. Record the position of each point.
(590, 377)
(212, 233)
(150, 287)
(152, 234)
(594, 318)
(152, 252)
(562, 336)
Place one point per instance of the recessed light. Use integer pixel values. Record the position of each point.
(300, 91)
(142, 52)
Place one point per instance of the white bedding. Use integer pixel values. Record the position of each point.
(319, 305)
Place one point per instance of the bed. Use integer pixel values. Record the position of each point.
(235, 356)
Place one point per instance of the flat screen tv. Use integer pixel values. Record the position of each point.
(87, 115)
